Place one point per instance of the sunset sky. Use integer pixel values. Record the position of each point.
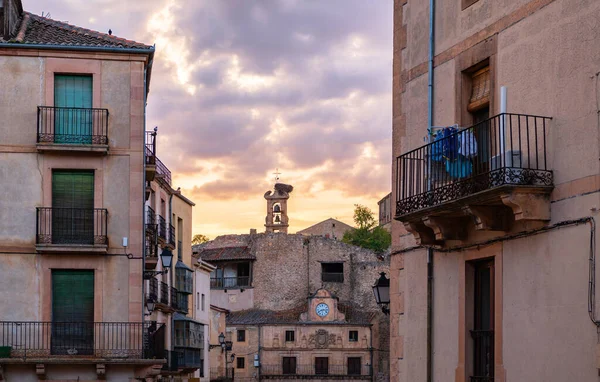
(242, 87)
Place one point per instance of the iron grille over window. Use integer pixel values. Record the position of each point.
(289, 336)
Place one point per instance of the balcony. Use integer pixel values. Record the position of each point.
(171, 237)
(494, 173)
(190, 359)
(72, 129)
(163, 174)
(222, 374)
(172, 364)
(150, 155)
(162, 229)
(71, 230)
(184, 278)
(81, 342)
(182, 302)
(338, 372)
(235, 282)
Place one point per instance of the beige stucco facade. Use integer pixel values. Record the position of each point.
(27, 80)
(546, 54)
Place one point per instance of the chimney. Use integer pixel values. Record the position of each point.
(252, 231)
(11, 13)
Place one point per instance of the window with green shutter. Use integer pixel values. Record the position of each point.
(72, 312)
(73, 122)
(72, 207)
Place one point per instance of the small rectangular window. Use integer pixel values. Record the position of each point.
(289, 336)
(241, 335)
(241, 362)
(198, 300)
(203, 300)
(332, 272)
(353, 336)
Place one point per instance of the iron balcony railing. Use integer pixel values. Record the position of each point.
(150, 147)
(189, 358)
(332, 277)
(229, 282)
(162, 228)
(72, 125)
(151, 245)
(507, 149)
(312, 370)
(125, 340)
(71, 226)
(164, 293)
(150, 219)
(483, 355)
(162, 172)
(171, 235)
(153, 289)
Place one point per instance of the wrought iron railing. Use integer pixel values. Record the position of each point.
(174, 298)
(332, 277)
(312, 370)
(189, 358)
(507, 149)
(483, 355)
(229, 282)
(171, 235)
(162, 172)
(151, 245)
(150, 219)
(153, 289)
(162, 228)
(164, 293)
(128, 340)
(71, 226)
(150, 147)
(72, 125)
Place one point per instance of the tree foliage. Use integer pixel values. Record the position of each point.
(199, 239)
(367, 235)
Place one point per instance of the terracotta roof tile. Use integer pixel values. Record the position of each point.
(226, 254)
(44, 31)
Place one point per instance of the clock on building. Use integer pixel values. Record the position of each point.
(322, 309)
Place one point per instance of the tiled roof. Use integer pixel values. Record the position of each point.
(40, 30)
(226, 254)
(354, 315)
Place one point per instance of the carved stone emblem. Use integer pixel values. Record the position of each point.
(320, 339)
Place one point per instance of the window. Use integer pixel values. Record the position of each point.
(198, 300)
(241, 335)
(241, 362)
(480, 283)
(72, 207)
(73, 120)
(321, 365)
(353, 336)
(332, 272)
(354, 366)
(289, 365)
(203, 300)
(289, 336)
(243, 274)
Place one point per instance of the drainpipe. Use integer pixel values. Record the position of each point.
(430, 250)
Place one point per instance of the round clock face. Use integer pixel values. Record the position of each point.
(322, 310)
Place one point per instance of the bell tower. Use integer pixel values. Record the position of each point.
(277, 218)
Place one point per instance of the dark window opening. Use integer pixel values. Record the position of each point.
(321, 365)
(354, 365)
(289, 365)
(289, 336)
(241, 335)
(482, 334)
(241, 362)
(353, 336)
(332, 272)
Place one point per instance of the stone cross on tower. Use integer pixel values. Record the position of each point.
(277, 218)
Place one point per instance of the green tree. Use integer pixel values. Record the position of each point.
(367, 235)
(199, 239)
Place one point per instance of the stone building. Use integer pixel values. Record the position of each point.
(385, 212)
(331, 228)
(277, 218)
(72, 162)
(265, 279)
(493, 254)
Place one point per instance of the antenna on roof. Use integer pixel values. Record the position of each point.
(47, 15)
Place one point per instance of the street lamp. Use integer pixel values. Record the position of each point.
(166, 259)
(150, 304)
(381, 290)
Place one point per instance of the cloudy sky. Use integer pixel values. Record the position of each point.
(242, 87)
